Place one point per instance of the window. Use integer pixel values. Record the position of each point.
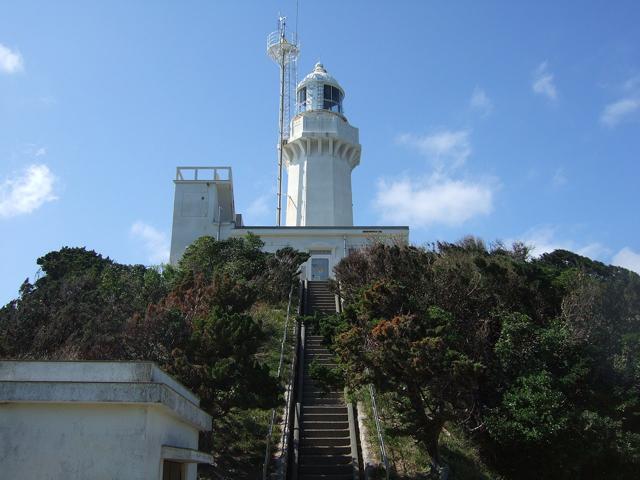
(332, 99)
(302, 99)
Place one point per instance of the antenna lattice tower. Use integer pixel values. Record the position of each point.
(284, 51)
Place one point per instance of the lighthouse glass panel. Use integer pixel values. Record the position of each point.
(332, 99)
(302, 99)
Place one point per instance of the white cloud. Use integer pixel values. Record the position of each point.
(593, 250)
(559, 178)
(627, 258)
(632, 84)
(625, 107)
(618, 111)
(155, 242)
(27, 191)
(41, 152)
(444, 148)
(10, 61)
(481, 102)
(543, 82)
(544, 239)
(437, 199)
(259, 208)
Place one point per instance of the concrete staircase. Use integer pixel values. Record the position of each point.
(319, 298)
(326, 443)
(328, 449)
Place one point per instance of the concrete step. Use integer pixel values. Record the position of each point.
(315, 410)
(329, 460)
(317, 351)
(326, 469)
(324, 401)
(325, 450)
(326, 442)
(320, 476)
(326, 434)
(325, 417)
(323, 425)
(315, 390)
(318, 393)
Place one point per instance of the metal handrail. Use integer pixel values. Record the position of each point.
(376, 417)
(267, 454)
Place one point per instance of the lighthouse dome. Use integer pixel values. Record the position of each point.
(319, 91)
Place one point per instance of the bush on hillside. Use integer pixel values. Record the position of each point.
(535, 359)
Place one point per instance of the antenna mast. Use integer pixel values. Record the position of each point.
(284, 52)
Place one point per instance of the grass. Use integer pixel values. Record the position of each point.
(408, 461)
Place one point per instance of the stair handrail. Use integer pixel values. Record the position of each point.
(267, 455)
(287, 432)
(297, 406)
(376, 417)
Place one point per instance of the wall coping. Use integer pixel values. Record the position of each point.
(99, 382)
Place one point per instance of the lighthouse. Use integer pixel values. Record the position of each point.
(320, 154)
(319, 149)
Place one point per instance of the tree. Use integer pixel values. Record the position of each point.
(418, 359)
(543, 352)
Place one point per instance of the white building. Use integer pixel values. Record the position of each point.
(322, 150)
(99, 421)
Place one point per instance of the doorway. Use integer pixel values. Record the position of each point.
(172, 470)
(320, 269)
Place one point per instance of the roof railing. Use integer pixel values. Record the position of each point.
(219, 174)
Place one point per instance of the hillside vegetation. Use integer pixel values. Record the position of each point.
(214, 322)
(535, 362)
(485, 360)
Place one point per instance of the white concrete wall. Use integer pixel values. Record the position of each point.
(44, 441)
(295, 179)
(194, 214)
(339, 241)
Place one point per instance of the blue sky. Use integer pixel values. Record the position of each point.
(497, 119)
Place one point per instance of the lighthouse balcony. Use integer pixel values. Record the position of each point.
(324, 124)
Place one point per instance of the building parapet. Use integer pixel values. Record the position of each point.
(203, 174)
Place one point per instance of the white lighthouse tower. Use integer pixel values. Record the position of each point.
(320, 154)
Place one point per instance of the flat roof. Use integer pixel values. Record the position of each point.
(99, 382)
